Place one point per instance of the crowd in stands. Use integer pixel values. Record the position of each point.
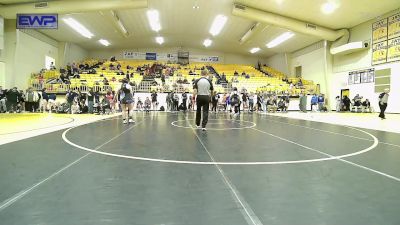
(91, 87)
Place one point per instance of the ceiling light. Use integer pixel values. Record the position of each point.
(104, 42)
(254, 50)
(207, 42)
(160, 40)
(154, 20)
(280, 39)
(218, 24)
(78, 27)
(328, 7)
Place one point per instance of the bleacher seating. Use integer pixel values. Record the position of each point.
(267, 79)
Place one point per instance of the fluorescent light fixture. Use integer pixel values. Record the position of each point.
(329, 7)
(104, 42)
(207, 42)
(160, 40)
(280, 39)
(154, 20)
(254, 50)
(78, 27)
(218, 24)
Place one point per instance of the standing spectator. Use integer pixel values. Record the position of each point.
(3, 107)
(168, 100)
(70, 96)
(214, 101)
(202, 88)
(303, 102)
(383, 100)
(338, 103)
(251, 102)
(12, 99)
(154, 101)
(31, 98)
(244, 100)
(184, 100)
(90, 98)
(175, 101)
(110, 98)
(21, 101)
(321, 102)
(346, 103)
(45, 100)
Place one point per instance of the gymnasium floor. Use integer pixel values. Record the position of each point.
(260, 169)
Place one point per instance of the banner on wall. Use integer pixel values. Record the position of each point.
(393, 50)
(134, 55)
(167, 57)
(379, 53)
(394, 26)
(380, 30)
(203, 58)
(151, 56)
(361, 76)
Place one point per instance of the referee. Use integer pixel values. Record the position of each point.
(201, 89)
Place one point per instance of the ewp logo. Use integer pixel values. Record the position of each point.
(37, 21)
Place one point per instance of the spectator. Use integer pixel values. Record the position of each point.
(21, 101)
(90, 98)
(12, 99)
(214, 101)
(321, 102)
(314, 102)
(3, 107)
(45, 100)
(366, 106)
(32, 97)
(338, 104)
(154, 101)
(303, 102)
(346, 103)
(70, 96)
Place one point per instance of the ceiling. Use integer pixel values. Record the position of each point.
(183, 26)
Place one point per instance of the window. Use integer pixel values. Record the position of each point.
(48, 61)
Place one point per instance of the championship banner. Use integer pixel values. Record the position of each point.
(394, 26)
(393, 50)
(380, 30)
(379, 53)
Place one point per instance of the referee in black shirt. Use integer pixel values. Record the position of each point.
(201, 89)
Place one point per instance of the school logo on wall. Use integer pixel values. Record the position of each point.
(37, 21)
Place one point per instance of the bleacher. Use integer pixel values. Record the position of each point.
(267, 79)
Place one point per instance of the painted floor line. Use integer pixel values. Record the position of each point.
(331, 132)
(239, 200)
(23, 193)
(326, 154)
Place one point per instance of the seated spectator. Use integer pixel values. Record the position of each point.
(112, 59)
(282, 105)
(236, 73)
(113, 79)
(247, 76)
(105, 81)
(366, 106)
(243, 73)
(357, 100)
